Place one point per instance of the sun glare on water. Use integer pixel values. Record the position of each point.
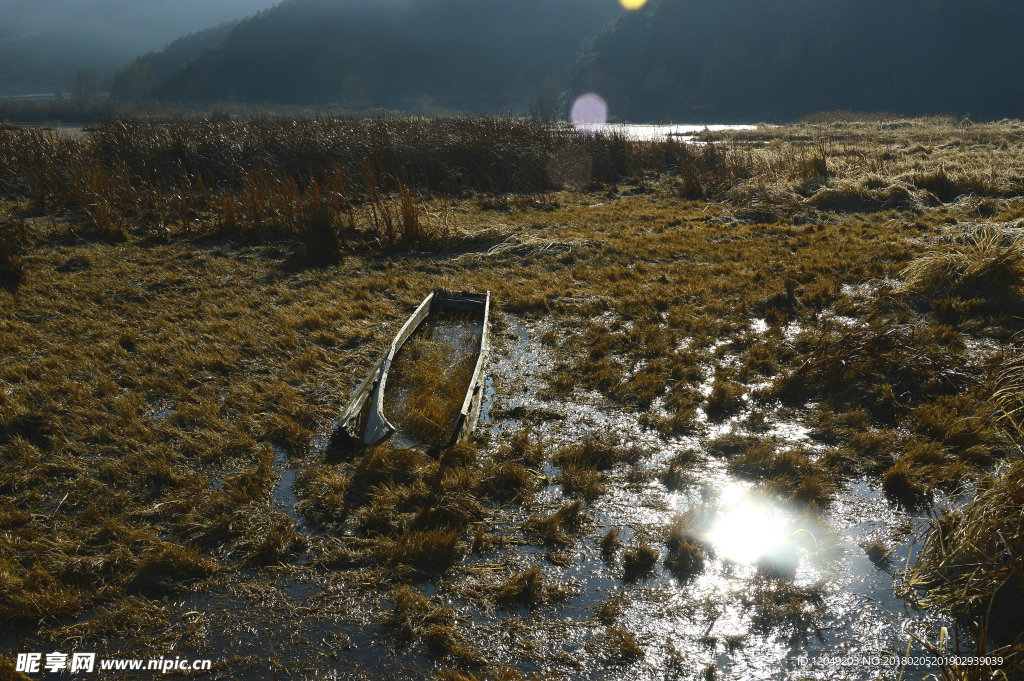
(746, 529)
(632, 4)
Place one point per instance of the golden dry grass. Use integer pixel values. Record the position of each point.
(150, 373)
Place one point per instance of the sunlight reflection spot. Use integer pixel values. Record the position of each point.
(746, 529)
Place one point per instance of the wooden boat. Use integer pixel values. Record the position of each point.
(426, 390)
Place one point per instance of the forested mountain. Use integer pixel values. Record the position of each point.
(752, 60)
(482, 55)
(673, 60)
(43, 42)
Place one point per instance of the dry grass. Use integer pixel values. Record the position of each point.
(167, 331)
(619, 646)
(554, 529)
(638, 562)
(528, 587)
(987, 264)
(427, 385)
(970, 562)
(1009, 392)
(687, 550)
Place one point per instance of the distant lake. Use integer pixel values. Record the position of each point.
(651, 133)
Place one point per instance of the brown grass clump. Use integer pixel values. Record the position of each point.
(320, 236)
(970, 562)
(414, 617)
(864, 194)
(900, 483)
(608, 610)
(789, 473)
(582, 482)
(383, 464)
(602, 451)
(1009, 392)
(272, 542)
(610, 543)
(638, 562)
(528, 587)
(324, 500)
(507, 482)
(522, 447)
(619, 646)
(988, 264)
(583, 464)
(883, 368)
(552, 528)
(686, 550)
(726, 398)
(429, 552)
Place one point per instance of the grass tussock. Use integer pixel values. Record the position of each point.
(883, 367)
(610, 544)
(530, 587)
(726, 398)
(687, 550)
(428, 551)
(507, 481)
(416, 618)
(583, 466)
(1009, 393)
(638, 562)
(970, 562)
(901, 484)
(789, 473)
(987, 263)
(554, 529)
(618, 645)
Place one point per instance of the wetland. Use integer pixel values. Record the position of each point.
(753, 400)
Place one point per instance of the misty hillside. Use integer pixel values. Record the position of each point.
(43, 42)
(482, 55)
(741, 59)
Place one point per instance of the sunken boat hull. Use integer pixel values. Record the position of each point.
(426, 389)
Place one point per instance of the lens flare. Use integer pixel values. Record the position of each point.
(746, 529)
(632, 4)
(589, 111)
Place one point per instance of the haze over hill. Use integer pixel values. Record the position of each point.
(753, 60)
(480, 55)
(43, 42)
(681, 60)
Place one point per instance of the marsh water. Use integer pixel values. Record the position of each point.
(843, 621)
(658, 133)
(849, 606)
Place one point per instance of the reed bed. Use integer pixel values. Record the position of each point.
(330, 184)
